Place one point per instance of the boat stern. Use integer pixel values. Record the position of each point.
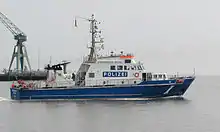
(15, 93)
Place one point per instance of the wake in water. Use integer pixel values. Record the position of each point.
(3, 99)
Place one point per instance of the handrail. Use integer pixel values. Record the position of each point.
(96, 82)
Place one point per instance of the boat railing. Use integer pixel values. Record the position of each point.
(44, 83)
(63, 82)
(115, 55)
(92, 83)
(104, 82)
(85, 59)
(179, 76)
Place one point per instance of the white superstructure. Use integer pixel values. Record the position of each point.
(114, 69)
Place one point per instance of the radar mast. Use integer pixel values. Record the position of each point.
(96, 37)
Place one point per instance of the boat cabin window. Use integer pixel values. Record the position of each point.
(127, 61)
(135, 67)
(132, 68)
(139, 67)
(126, 68)
(142, 67)
(164, 76)
(149, 76)
(112, 67)
(120, 67)
(91, 75)
(159, 76)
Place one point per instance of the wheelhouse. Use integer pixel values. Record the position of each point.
(110, 70)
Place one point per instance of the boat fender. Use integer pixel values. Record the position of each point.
(30, 85)
(136, 74)
(24, 85)
(19, 81)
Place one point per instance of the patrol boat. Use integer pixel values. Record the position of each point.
(113, 76)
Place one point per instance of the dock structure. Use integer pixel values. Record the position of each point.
(19, 55)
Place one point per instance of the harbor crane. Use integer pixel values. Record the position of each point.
(20, 51)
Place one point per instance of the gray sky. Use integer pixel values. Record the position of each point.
(167, 36)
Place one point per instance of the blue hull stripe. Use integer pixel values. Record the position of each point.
(107, 87)
(97, 95)
(144, 90)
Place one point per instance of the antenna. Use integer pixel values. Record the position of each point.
(194, 71)
(50, 60)
(95, 34)
(38, 58)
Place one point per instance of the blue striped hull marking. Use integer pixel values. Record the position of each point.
(143, 90)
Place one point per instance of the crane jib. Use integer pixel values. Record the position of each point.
(10, 25)
(19, 52)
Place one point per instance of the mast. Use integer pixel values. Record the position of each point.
(38, 59)
(96, 37)
(92, 31)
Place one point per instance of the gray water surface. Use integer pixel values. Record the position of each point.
(198, 111)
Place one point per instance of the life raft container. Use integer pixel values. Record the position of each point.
(179, 81)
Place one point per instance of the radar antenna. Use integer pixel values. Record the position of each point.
(96, 37)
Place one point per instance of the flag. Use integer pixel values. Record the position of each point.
(75, 22)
